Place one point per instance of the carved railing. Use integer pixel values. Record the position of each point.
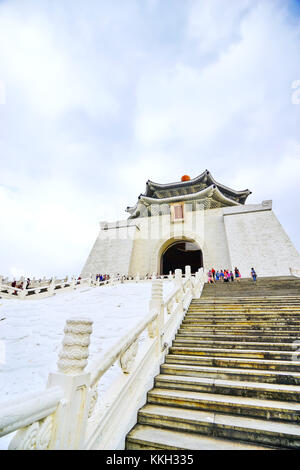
(44, 287)
(74, 412)
(48, 287)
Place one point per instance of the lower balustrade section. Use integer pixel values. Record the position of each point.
(74, 412)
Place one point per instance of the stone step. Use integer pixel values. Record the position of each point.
(243, 308)
(260, 390)
(240, 293)
(243, 313)
(243, 295)
(144, 437)
(254, 303)
(258, 288)
(242, 323)
(235, 338)
(200, 314)
(246, 308)
(238, 353)
(241, 363)
(263, 326)
(247, 320)
(243, 305)
(258, 316)
(292, 336)
(289, 297)
(290, 331)
(244, 301)
(236, 405)
(256, 307)
(242, 317)
(204, 299)
(247, 284)
(280, 322)
(244, 320)
(194, 343)
(231, 373)
(240, 428)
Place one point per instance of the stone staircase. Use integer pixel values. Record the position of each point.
(231, 379)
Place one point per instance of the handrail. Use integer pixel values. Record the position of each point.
(174, 293)
(49, 288)
(16, 414)
(107, 359)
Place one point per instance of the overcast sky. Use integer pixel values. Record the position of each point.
(98, 96)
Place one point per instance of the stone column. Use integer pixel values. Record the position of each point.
(22, 293)
(188, 272)
(72, 414)
(178, 287)
(51, 287)
(178, 278)
(156, 304)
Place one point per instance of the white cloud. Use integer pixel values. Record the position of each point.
(102, 96)
(47, 73)
(195, 102)
(215, 25)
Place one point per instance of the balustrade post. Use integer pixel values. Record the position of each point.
(73, 282)
(70, 419)
(137, 277)
(196, 285)
(199, 281)
(178, 279)
(51, 287)
(179, 287)
(201, 275)
(23, 291)
(188, 273)
(170, 276)
(156, 304)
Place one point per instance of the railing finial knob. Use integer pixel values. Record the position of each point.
(75, 346)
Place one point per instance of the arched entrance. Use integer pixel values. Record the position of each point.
(180, 254)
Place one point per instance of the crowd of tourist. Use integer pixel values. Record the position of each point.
(20, 286)
(102, 277)
(227, 275)
(223, 275)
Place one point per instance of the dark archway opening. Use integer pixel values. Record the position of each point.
(181, 254)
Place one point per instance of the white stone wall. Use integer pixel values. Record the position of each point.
(215, 248)
(156, 233)
(257, 239)
(111, 253)
(243, 236)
